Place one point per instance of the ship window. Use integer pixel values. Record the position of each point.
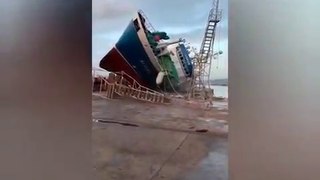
(136, 24)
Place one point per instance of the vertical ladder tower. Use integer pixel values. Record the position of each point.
(200, 87)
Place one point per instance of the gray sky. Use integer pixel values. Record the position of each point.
(179, 18)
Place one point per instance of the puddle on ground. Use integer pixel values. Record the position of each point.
(220, 105)
(215, 165)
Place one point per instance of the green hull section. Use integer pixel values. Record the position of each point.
(171, 79)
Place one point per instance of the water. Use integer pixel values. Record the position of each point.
(220, 91)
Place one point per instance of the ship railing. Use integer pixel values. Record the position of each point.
(106, 89)
(127, 78)
(124, 85)
(130, 87)
(138, 94)
(147, 23)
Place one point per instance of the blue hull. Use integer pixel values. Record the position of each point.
(131, 48)
(137, 53)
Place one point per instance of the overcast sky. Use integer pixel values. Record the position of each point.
(179, 18)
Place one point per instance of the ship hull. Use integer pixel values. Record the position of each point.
(131, 47)
(115, 62)
(129, 55)
(134, 55)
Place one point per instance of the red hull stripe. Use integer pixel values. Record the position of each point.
(115, 62)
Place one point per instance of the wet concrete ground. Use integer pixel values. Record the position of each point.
(158, 141)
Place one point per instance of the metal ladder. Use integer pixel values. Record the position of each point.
(209, 35)
(202, 60)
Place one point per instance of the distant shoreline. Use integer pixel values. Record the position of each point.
(219, 84)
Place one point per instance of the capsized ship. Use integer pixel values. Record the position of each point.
(150, 57)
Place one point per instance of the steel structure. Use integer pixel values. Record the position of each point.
(200, 87)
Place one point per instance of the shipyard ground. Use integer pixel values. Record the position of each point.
(141, 141)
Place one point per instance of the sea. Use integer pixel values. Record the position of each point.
(220, 91)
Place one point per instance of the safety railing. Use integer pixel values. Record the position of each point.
(123, 84)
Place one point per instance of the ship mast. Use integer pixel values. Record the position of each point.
(200, 87)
